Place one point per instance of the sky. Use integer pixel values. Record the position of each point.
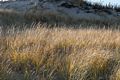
(112, 2)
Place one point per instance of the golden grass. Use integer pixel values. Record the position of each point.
(60, 54)
(118, 75)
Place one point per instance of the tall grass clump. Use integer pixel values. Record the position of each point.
(41, 53)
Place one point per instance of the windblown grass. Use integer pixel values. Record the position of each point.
(60, 54)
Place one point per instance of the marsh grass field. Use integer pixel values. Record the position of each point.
(56, 47)
(60, 53)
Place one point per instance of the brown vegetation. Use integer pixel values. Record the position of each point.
(60, 54)
(77, 2)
